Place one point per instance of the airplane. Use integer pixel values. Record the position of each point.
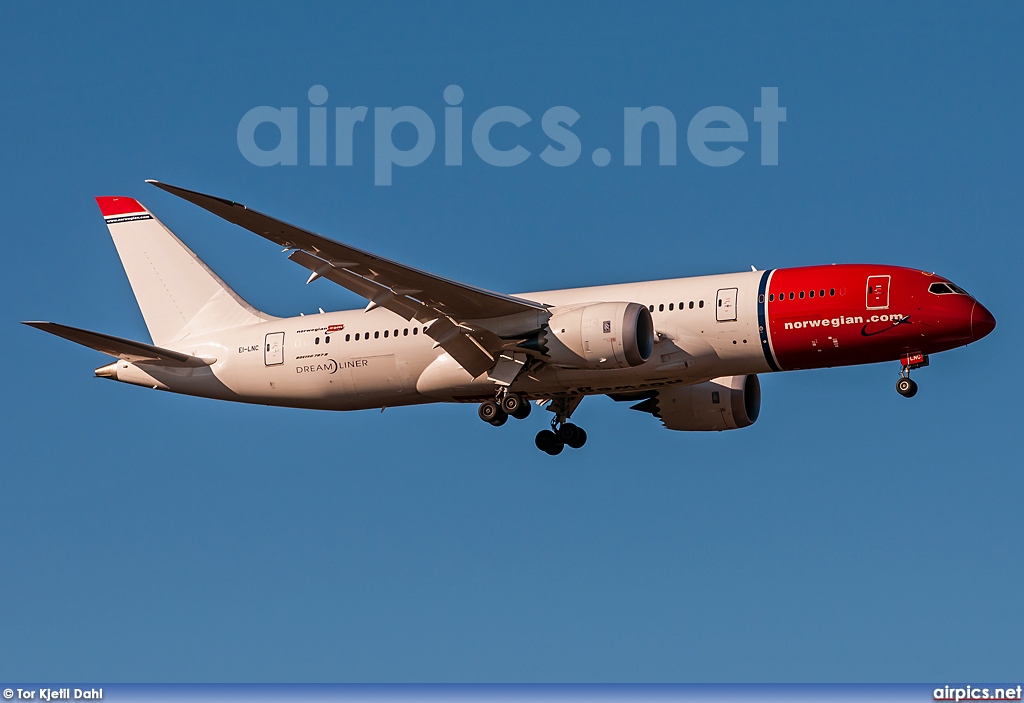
(687, 350)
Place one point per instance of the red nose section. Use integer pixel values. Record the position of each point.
(982, 322)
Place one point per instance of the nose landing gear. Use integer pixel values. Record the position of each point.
(904, 386)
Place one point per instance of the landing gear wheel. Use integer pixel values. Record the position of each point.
(548, 442)
(489, 411)
(523, 412)
(906, 387)
(499, 419)
(579, 437)
(513, 404)
(572, 435)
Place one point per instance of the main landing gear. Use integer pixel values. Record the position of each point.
(556, 439)
(497, 411)
(562, 433)
(904, 386)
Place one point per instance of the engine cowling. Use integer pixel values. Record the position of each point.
(599, 336)
(726, 403)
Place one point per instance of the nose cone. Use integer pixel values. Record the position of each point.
(982, 322)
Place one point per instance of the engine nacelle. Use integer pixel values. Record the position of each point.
(726, 403)
(599, 336)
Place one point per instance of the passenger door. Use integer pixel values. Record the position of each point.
(273, 351)
(878, 292)
(725, 310)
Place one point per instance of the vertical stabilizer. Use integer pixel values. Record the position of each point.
(178, 294)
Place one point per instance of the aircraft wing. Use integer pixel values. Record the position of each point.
(124, 349)
(407, 291)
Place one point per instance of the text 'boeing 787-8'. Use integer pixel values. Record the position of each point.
(686, 350)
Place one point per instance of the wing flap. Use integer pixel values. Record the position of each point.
(124, 349)
(378, 294)
(470, 347)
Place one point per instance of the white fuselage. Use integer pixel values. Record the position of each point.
(315, 361)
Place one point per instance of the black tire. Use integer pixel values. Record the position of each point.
(906, 387)
(512, 403)
(545, 439)
(579, 439)
(499, 420)
(524, 411)
(555, 449)
(488, 411)
(567, 433)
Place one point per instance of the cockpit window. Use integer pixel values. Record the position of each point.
(946, 289)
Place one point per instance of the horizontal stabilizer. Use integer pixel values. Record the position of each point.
(124, 349)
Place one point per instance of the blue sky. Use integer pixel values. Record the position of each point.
(850, 535)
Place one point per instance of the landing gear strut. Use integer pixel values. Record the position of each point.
(904, 386)
(562, 433)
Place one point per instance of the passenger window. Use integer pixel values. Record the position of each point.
(670, 306)
(801, 295)
(700, 304)
(348, 337)
(760, 298)
(811, 293)
(405, 332)
(376, 335)
(771, 298)
(357, 336)
(651, 308)
(691, 305)
(316, 341)
(831, 291)
(415, 330)
(327, 339)
(821, 293)
(661, 308)
(385, 334)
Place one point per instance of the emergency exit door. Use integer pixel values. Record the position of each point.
(725, 310)
(273, 352)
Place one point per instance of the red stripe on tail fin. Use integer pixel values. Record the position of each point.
(116, 205)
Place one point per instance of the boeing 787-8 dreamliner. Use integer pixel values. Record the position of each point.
(686, 350)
